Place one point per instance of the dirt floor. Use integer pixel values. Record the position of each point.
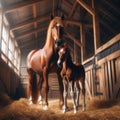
(21, 110)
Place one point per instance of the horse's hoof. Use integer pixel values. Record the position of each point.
(83, 110)
(40, 102)
(30, 103)
(45, 107)
(75, 111)
(64, 111)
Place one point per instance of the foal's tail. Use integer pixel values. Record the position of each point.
(32, 89)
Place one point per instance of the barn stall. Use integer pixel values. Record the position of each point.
(93, 35)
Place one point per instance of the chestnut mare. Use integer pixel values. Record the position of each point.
(43, 61)
(74, 75)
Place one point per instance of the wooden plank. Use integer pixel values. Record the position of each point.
(73, 9)
(106, 81)
(82, 38)
(86, 7)
(110, 57)
(14, 7)
(109, 43)
(28, 22)
(30, 32)
(73, 38)
(110, 79)
(96, 28)
(88, 60)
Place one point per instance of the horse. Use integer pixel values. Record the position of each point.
(43, 61)
(74, 75)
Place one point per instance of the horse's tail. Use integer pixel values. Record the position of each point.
(32, 85)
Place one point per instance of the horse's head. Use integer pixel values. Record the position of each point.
(57, 27)
(63, 55)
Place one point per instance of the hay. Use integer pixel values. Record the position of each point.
(95, 110)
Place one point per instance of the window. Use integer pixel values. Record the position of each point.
(10, 51)
(4, 43)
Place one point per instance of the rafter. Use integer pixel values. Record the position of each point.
(39, 19)
(106, 13)
(73, 9)
(86, 7)
(73, 38)
(35, 15)
(12, 8)
(31, 32)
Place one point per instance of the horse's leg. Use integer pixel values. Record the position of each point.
(72, 93)
(77, 93)
(32, 86)
(46, 88)
(83, 94)
(60, 88)
(65, 93)
(40, 83)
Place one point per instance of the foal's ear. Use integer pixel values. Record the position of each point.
(51, 16)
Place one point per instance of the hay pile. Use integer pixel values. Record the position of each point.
(95, 110)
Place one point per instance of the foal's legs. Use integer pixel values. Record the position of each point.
(77, 90)
(83, 94)
(72, 93)
(65, 94)
(60, 88)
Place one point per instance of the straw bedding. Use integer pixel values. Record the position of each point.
(21, 110)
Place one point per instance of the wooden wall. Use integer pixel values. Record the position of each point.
(9, 81)
(102, 70)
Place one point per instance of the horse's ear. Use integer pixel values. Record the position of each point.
(51, 16)
(62, 17)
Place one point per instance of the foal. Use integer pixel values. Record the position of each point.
(74, 75)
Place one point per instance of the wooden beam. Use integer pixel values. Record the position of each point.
(108, 2)
(73, 22)
(86, 7)
(74, 39)
(31, 32)
(82, 38)
(28, 43)
(39, 19)
(108, 14)
(35, 15)
(107, 26)
(14, 7)
(73, 9)
(96, 29)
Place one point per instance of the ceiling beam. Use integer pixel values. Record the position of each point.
(35, 15)
(39, 19)
(73, 9)
(14, 7)
(108, 14)
(31, 32)
(73, 38)
(86, 7)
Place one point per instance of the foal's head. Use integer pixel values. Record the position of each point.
(64, 54)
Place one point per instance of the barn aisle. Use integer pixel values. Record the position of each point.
(95, 110)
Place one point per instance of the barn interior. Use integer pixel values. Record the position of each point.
(92, 32)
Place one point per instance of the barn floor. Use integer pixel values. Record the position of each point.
(21, 110)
